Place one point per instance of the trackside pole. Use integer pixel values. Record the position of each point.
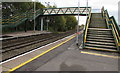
(82, 45)
(77, 39)
(34, 15)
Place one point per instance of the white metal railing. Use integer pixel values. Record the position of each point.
(66, 10)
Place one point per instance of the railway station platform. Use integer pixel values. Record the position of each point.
(100, 41)
(21, 34)
(64, 55)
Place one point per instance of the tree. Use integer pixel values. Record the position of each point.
(15, 11)
(57, 23)
(71, 22)
(19, 7)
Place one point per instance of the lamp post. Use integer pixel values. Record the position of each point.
(87, 8)
(47, 23)
(48, 4)
(82, 46)
(34, 14)
(77, 38)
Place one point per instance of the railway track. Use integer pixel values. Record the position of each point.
(22, 42)
(15, 47)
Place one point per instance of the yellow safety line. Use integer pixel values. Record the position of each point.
(103, 49)
(103, 55)
(13, 69)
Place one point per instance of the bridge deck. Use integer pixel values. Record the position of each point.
(66, 11)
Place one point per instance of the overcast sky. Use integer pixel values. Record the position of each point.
(110, 5)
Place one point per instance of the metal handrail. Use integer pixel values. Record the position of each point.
(115, 36)
(113, 27)
(116, 25)
(86, 29)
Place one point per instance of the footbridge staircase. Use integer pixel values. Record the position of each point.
(101, 32)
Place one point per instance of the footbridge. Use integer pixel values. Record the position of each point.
(66, 11)
(22, 18)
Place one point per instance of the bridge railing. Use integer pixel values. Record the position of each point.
(18, 19)
(66, 11)
(86, 29)
(44, 11)
(13, 21)
(111, 24)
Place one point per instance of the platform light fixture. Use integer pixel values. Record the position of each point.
(48, 5)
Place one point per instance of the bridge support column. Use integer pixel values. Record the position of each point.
(42, 24)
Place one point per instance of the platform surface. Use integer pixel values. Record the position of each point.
(67, 57)
(21, 34)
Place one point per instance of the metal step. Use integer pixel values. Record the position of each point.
(100, 18)
(101, 46)
(97, 26)
(96, 15)
(90, 37)
(105, 36)
(101, 43)
(99, 29)
(100, 40)
(95, 33)
(97, 22)
(101, 49)
(93, 21)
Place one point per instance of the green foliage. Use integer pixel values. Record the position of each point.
(57, 23)
(71, 22)
(62, 23)
(19, 7)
